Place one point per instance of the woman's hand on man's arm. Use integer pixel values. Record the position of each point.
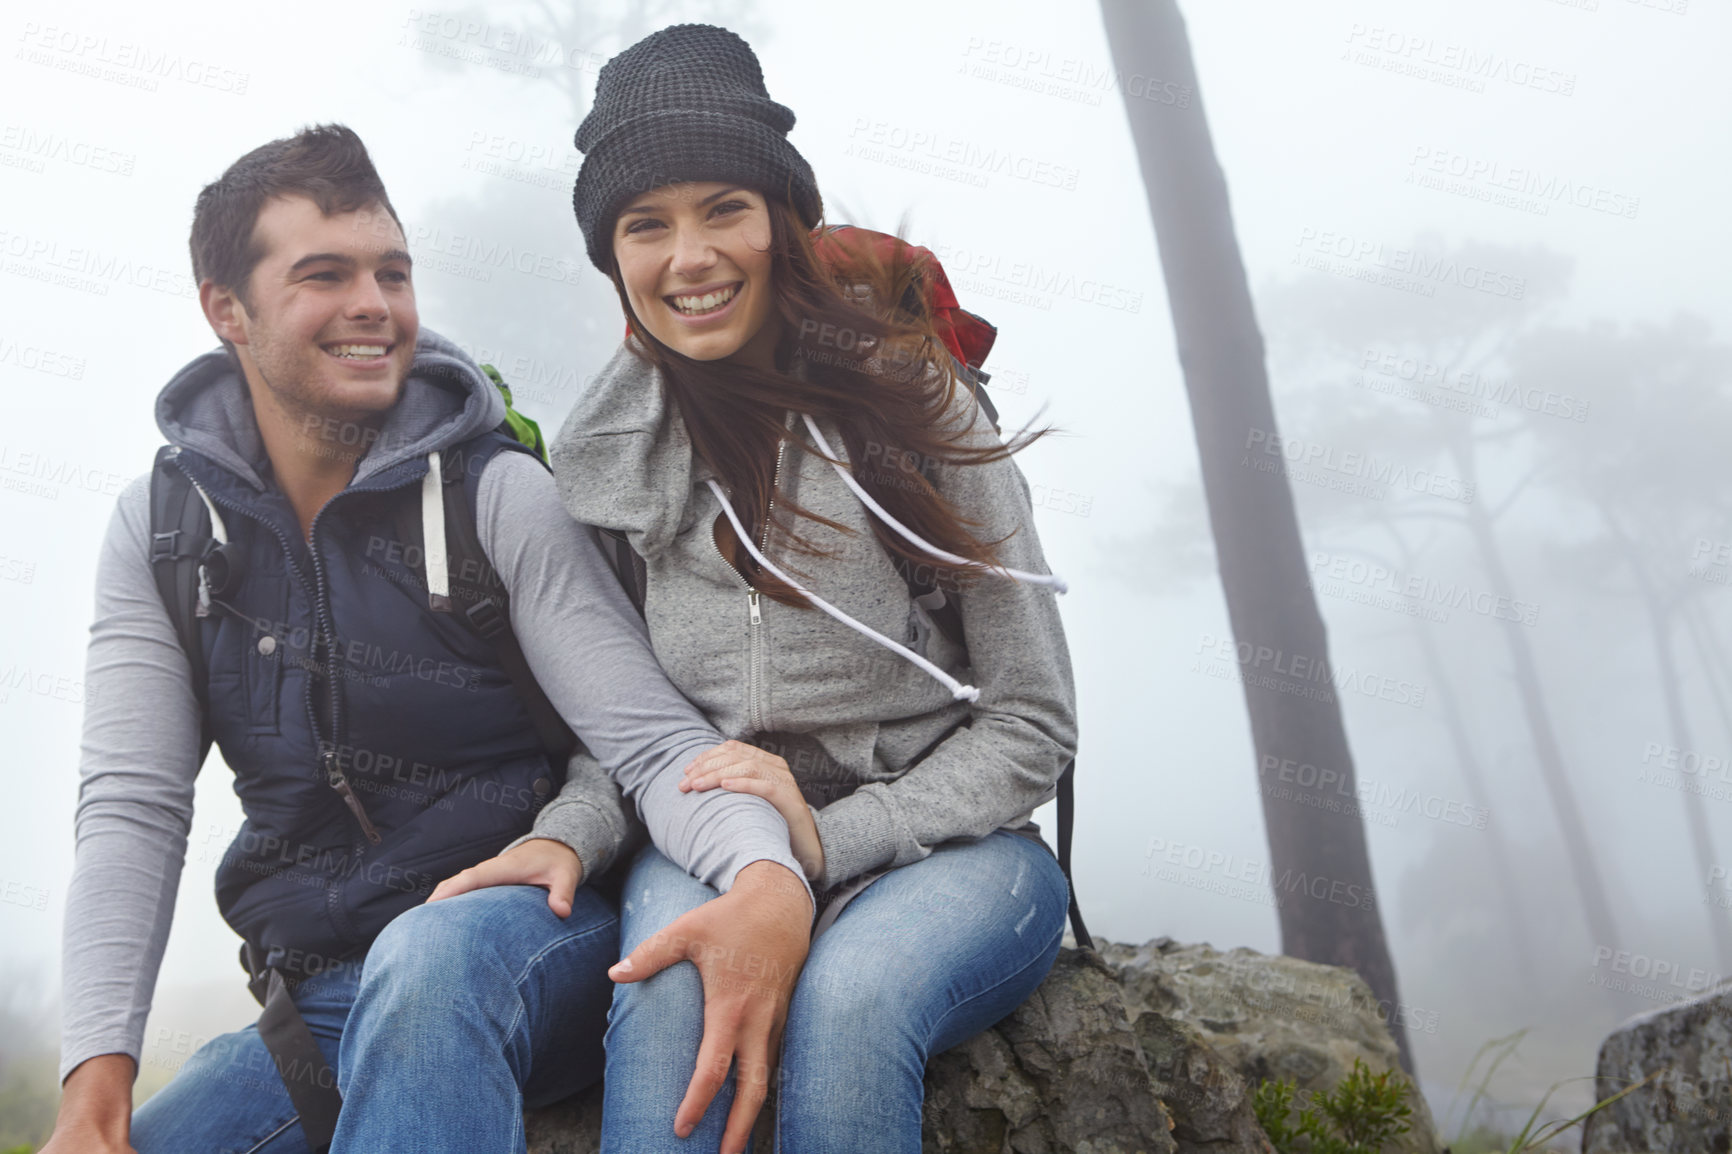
(741, 768)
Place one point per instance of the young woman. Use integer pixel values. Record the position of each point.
(783, 441)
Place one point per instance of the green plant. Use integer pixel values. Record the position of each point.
(1360, 1115)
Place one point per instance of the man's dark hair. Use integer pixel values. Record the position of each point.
(327, 163)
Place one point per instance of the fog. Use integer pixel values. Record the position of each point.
(1571, 391)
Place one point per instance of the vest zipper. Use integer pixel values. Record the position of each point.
(324, 638)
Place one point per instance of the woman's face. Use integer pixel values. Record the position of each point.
(695, 261)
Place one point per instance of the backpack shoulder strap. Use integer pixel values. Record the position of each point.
(489, 615)
(180, 538)
(627, 565)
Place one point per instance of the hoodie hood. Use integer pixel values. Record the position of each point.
(624, 459)
(205, 407)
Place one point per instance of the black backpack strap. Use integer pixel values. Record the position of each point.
(489, 614)
(1066, 811)
(180, 539)
(627, 565)
(309, 1079)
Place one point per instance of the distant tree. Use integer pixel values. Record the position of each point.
(1647, 464)
(1458, 344)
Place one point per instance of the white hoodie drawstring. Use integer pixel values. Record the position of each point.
(433, 536)
(958, 691)
(1053, 580)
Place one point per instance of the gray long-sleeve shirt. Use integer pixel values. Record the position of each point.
(589, 651)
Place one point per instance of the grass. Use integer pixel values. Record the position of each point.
(1535, 1135)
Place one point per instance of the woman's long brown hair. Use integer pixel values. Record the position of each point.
(874, 364)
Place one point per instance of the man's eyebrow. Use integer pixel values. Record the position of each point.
(348, 261)
(321, 258)
(642, 208)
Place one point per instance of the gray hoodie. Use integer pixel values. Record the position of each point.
(891, 762)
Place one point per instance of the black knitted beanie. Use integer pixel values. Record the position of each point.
(685, 103)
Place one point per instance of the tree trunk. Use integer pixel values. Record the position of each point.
(1578, 848)
(1672, 693)
(1503, 865)
(1320, 869)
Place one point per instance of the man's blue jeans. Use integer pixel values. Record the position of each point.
(464, 1012)
(928, 956)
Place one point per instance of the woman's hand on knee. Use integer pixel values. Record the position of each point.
(541, 861)
(749, 946)
(741, 768)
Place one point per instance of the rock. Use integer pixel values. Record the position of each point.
(1689, 1105)
(1063, 1073)
(1263, 1016)
(1142, 1050)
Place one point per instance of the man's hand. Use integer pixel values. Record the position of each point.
(749, 946)
(95, 1108)
(741, 768)
(552, 865)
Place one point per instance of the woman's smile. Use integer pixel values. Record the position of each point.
(704, 304)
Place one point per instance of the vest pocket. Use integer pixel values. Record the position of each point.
(265, 651)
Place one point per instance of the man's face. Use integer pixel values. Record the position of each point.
(330, 325)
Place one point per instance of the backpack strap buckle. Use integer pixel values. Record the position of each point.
(485, 617)
(165, 546)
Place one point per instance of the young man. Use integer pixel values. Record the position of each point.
(378, 737)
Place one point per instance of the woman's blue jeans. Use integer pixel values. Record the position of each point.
(464, 1012)
(928, 956)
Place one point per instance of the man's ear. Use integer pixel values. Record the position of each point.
(225, 312)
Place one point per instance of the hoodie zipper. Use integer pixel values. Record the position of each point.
(330, 762)
(754, 610)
